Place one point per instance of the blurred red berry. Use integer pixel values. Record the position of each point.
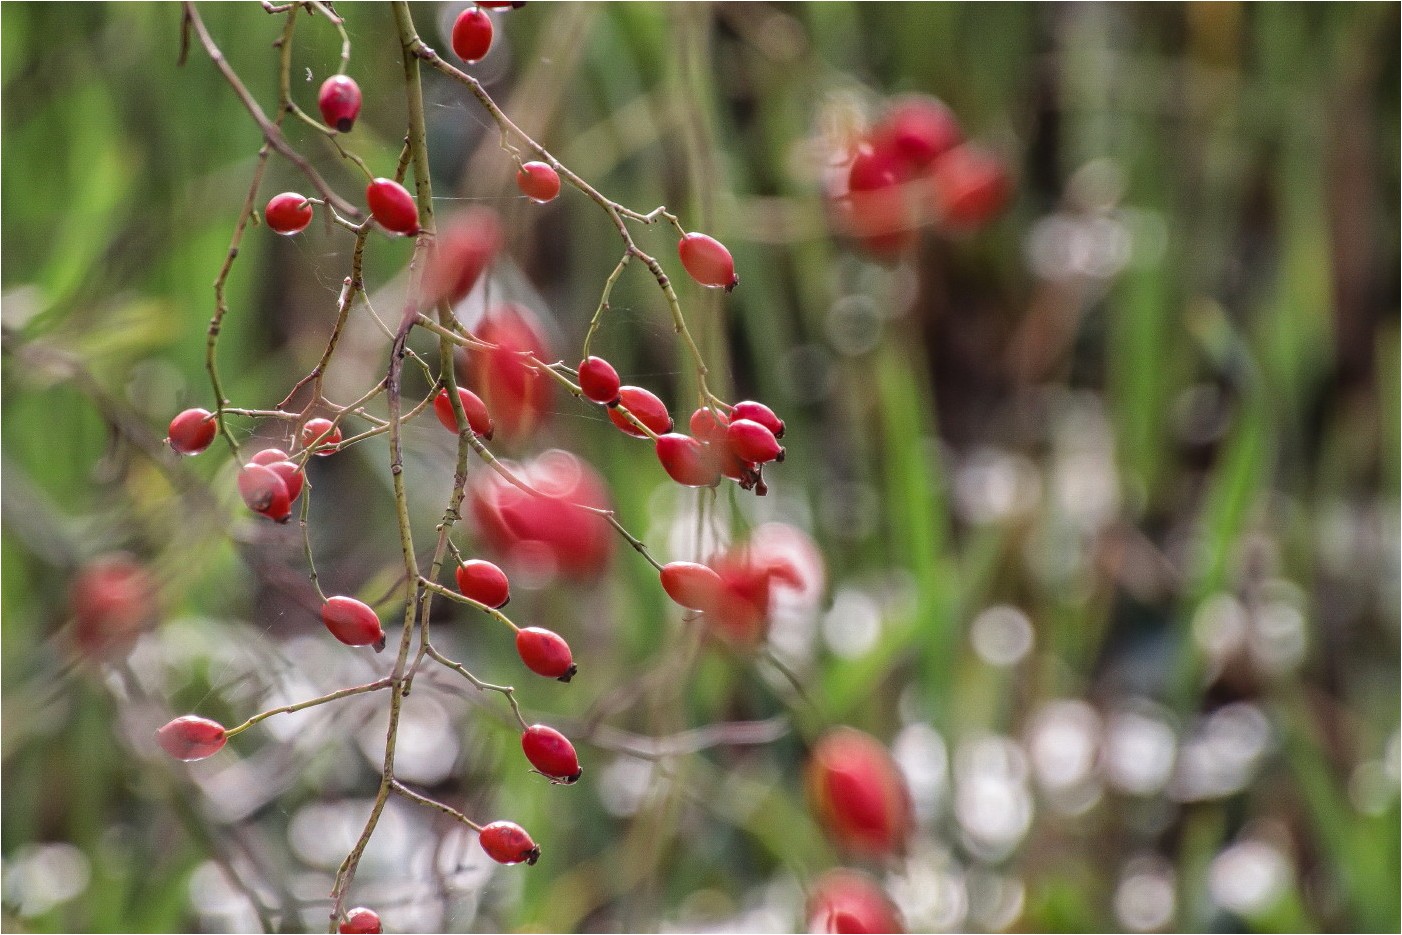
(645, 407)
(708, 262)
(192, 431)
(265, 492)
(971, 187)
(353, 622)
(113, 599)
(538, 182)
(507, 843)
(709, 425)
(599, 381)
(917, 129)
(288, 213)
(846, 901)
(690, 584)
(859, 794)
(339, 101)
(546, 653)
(478, 418)
(392, 206)
(322, 434)
(462, 251)
(192, 738)
(472, 35)
(518, 394)
(687, 461)
(551, 753)
(483, 582)
(361, 921)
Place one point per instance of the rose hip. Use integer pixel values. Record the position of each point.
(551, 753)
(708, 262)
(507, 843)
(472, 35)
(192, 738)
(478, 418)
(759, 412)
(484, 583)
(687, 461)
(392, 206)
(538, 182)
(692, 585)
(599, 381)
(192, 431)
(361, 921)
(321, 434)
(859, 793)
(339, 101)
(288, 213)
(546, 653)
(265, 492)
(353, 622)
(753, 442)
(645, 407)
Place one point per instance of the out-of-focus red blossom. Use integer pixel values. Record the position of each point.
(859, 794)
(464, 248)
(909, 169)
(777, 562)
(847, 901)
(113, 599)
(548, 536)
(517, 395)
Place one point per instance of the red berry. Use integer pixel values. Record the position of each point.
(708, 262)
(463, 249)
(113, 599)
(971, 187)
(846, 901)
(484, 583)
(859, 793)
(321, 434)
(292, 477)
(759, 412)
(709, 425)
(192, 738)
(478, 419)
(392, 206)
(687, 461)
(919, 130)
(538, 182)
(288, 213)
(753, 442)
(472, 35)
(507, 843)
(268, 456)
(599, 381)
(551, 753)
(878, 207)
(692, 585)
(645, 407)
(353, 622)
(502, 4)
(546, 653)
(518, 393)
(265, 492)
(362, 921)
(339, 101)
(191, 431)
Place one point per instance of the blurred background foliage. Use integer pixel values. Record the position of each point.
(1107, 492)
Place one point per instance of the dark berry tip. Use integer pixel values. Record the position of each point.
(571, 780)
(780, 455)
(532, 856)
(380, 645)
(344, 124)
(569, 673)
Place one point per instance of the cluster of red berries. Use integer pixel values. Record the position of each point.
(914, 166)
(725, 441)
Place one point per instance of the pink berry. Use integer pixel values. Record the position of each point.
(484, 583)
(859, 793)
(353, 622)
(507, 843)
(687, 461)
(292, 477)
(599, 381)
(645, 407)
(192, 431)
(361, 921)
(322, 434)
(268, 456)
(971, 187)
(538, 182)
(708, 262)
(551, 753)
(192, 738)
(753, 442)
(846, 901)
(392, 206)
(759, 412)
(478, 418)
(546, 653)
(265, 492)
(692, 585)
(919, 130)
(339, 101)
(709, 425)
(288, 213)
(472, 35)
